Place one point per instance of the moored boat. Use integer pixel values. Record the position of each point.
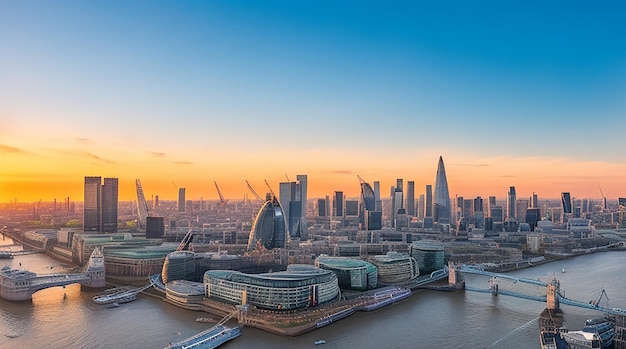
(208, 339)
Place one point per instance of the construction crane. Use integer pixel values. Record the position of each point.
(187, 239)
(142, 205)
(361, 181)
(259, 199)
(270, 188)
(603, 199)
(222, 200)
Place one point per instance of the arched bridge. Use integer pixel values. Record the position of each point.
(19, 285)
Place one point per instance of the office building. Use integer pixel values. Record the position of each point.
(155, 227)
(397, 199)
(533, 216)
(100, 205)
(300, 286)
(351, 208)
(292, 197)
(181, 200)
(91, 204)
(521, 205)
(268, 228)
(369, 218)
(321, 207)
(442, 195)
(566, 202)
(109, 205)
(511, 200)
(428, 206)
(491, 203)
(353, 274)
(533, 201)
(497, 214)
(420, 207)
(338, 204)
(410, 198)
(379, 203)
(302, 195)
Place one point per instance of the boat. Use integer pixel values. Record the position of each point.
(208, 339)
(552, 339)
(320, 341)
(205, 319)
(116, 295)
(598, 333)
(563, 270)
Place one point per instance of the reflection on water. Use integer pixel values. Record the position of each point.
(67, 317)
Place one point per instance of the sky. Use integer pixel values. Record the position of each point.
(530, 94)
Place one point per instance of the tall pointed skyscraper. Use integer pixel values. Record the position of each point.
(442, 195)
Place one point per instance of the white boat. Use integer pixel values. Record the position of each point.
(320, 341)
(563, 270)
(205, 319)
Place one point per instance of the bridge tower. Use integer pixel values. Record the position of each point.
(552, 294)
(455, 279)
(95, 269)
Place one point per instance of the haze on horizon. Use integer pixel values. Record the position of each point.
(181, 94)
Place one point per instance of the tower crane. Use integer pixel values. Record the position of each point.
(142, 205)
(361, 180)
(222, 200)
(259, 199)
(270, 188)
(603, 199)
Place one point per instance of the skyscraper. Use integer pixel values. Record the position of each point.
(91, 204)
(410, 198)
(490, 204)
(109, 205)
(442, 195)
(511, 204)
(428, 205)
(181, 199)
(303, 188)
(369, 218)
(397, 198)
(566, 202)
(420, 207)
(533, 201)
(100, 205)
(292, 197)
(338, 204)
(268, 229)
(379, 203)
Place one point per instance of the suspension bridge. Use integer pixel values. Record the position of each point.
(495, 289)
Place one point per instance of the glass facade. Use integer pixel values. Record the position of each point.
(269, 227)
(351, 273)
(299, 287)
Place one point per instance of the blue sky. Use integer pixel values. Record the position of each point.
(470, 80)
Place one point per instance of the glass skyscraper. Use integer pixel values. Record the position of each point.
(91, 204)
(268, 229)
(442, 195)
(100, 205)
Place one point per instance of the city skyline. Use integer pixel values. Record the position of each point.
(182, 94)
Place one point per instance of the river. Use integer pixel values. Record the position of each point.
(67, 318)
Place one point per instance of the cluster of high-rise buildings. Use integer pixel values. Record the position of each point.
(100, 205)
(433, 208)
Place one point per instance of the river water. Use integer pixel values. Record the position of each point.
(67, 318)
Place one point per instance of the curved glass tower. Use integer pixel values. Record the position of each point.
(269, 228)
(442, 195)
